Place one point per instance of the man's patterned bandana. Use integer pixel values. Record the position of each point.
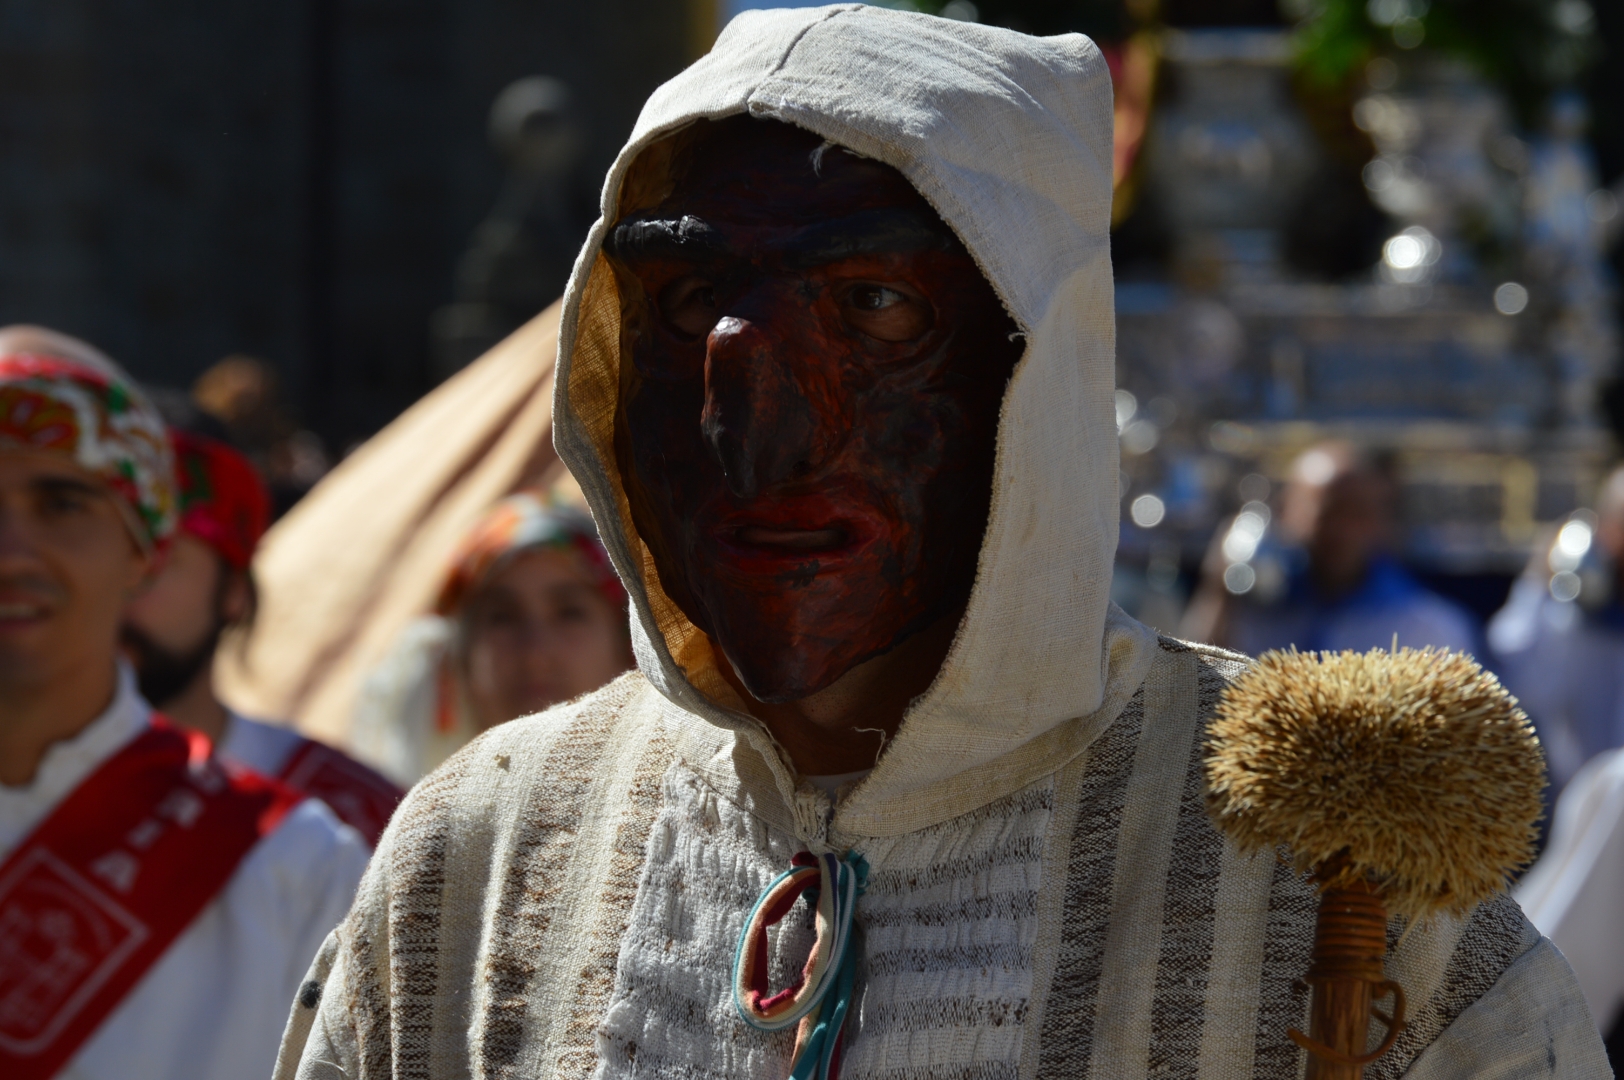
(223, 501)
(519, 523)
(95, 414)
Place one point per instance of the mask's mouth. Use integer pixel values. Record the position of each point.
(795, 530)
(798, 540)
(804, 532)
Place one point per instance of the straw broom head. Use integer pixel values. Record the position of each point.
(1416, 765)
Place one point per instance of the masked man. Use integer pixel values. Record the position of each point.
(204, 587)
(156, 907)
(835, 373)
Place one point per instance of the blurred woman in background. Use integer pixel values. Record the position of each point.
(531, 614)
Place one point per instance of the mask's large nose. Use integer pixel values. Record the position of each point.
(773, 403)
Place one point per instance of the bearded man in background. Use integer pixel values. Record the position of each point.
(206, 586)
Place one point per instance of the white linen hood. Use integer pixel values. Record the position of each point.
(1008, 136)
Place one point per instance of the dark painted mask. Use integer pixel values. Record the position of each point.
(808, 419)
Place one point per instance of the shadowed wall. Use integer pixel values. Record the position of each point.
(291, 180)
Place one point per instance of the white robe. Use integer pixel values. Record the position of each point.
(1575, 893)
(213, 1006)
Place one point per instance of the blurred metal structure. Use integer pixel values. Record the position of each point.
(1471, 353)
(1230, 154)
(521, 255)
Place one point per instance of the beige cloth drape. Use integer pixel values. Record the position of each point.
(366, 550)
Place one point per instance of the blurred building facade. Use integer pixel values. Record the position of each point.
(294, 181)
(1471, 344)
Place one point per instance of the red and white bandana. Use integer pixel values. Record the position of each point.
(223, 501)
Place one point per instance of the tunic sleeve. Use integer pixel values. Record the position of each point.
(319, 1043)
(1532, 1023)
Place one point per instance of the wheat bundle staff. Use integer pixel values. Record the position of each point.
(1406, 783)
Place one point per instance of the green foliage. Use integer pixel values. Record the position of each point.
(1334, 40)
(1528, 47)
(1104, 20)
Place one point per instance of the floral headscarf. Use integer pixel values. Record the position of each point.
(94, 413)
(519, 523)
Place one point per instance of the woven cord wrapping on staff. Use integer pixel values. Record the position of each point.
(1407, 783)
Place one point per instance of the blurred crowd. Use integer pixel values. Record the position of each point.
(1322, 571)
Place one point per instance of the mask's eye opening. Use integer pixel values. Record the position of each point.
(689, 306)
(886, 312)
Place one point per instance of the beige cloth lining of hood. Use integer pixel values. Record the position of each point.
(1009, 138)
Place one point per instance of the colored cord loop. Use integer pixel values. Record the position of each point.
(819, 1000)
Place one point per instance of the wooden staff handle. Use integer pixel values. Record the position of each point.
(1350, 948)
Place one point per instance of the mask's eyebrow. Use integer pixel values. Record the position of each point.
(892, 230)
(686, 237)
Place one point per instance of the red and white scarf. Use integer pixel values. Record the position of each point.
(105, 885)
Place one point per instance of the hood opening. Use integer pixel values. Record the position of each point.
(1009, 138)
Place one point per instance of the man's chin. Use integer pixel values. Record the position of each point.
(780, 671)
(775, 687)
(36, 642)
(26, 657)
(163, 674)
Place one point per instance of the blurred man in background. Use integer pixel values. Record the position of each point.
(1559, 640)
(157, 906)
(1323, 576)
(205, 587)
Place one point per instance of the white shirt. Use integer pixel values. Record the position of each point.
(263, 747)
(213, 1007)
(834, 785)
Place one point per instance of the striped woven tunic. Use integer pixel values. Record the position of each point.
(1046, 896)
(564, 897)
